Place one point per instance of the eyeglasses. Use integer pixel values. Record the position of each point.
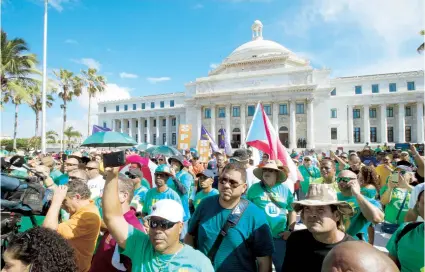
(344, 179)
(70, 164)
(233, 183)
(161, 175)
(162, 224)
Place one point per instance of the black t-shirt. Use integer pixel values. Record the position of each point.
(304, 253)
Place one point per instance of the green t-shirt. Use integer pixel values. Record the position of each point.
(152, 196)
(309, 175)
(145, 183)
(321, 181)
(393, 207)
(276, 216)
(346, 167)
(357, 224)
(201, 195)
(410, 249)
(144, 258)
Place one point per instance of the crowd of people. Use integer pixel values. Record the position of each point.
(228, 214)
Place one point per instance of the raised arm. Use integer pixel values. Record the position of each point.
(112, 211)
(369, 211)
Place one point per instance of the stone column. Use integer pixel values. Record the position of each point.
(167, 130)
(292, 127)
(366, 124)
(401, 123)
(276, 117)
(420, 122)
(148, 130)
(243, 124)
(139, 130)
(310, 124)
(122, 126)
(228, 132)
(158, 138)
(113, 125)
(213, 116)
(383, 113)
(131, 128)
(350, 125)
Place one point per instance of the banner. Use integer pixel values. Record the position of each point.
(204, 150)
(205, 135)
(185, 134)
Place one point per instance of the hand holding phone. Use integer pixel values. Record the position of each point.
(114, 159)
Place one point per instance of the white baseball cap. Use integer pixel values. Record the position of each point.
(168, 209)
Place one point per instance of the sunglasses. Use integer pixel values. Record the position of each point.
(70, 164)
(233, 183)
(161, 175)
(91, 168)
(162, 224)
(344, 179)
(306, 160)
(203, 178)
(400, 171)
(160, 159)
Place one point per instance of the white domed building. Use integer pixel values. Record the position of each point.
(305, 105)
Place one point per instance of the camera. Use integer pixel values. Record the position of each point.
(130, 175)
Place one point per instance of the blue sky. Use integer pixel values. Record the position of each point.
(150, 47)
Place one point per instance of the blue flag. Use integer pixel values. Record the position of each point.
(205, 135)
(99, 129)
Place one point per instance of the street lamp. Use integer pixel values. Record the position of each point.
(43, 108)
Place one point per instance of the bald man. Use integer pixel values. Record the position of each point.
(366, 210)
(96, 181)
(356, 256)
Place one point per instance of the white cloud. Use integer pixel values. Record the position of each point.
(154, 80)
(71, 41)
(198, 6)
(128, 75)
(213, 65)
(89, 62)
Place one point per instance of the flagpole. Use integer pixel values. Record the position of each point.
(43, 108)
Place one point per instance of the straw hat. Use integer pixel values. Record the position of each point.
(322, 195)
(258, 172)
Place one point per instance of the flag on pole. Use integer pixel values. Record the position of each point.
(205, 135)
(227, 146)
(99, 129)
(263, 136)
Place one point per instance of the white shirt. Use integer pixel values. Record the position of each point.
(414, 197)
(250, 178)
(96, 186)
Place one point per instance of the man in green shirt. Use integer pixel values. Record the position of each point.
(328, 172)
(206, 179)
(161, 250)
(309, 173)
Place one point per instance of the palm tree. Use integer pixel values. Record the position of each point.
(421, 48)
(36, 105)
(51, 136)
(71, 133)
(95, 84)
(71, 86)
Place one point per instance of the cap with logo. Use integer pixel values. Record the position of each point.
(168, 209)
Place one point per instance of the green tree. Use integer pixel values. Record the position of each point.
(95, 84)
(70, 87)
(70, 133)
(51, 136)
(35, 103)
(422, 46)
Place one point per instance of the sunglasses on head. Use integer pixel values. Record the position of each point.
(344, 179)
(162, 224)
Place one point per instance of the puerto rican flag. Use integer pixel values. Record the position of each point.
(262, 135)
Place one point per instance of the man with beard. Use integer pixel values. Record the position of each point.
(328, 172)
(245, 246)
(161, 250)
(162, 173)
(322, 214)
(366, 210)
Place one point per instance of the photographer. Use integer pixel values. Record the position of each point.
(140, 188)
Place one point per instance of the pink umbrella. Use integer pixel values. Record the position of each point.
(144, 162)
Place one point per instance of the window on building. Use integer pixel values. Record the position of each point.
(357, 135)
(390, 112)
(372, 113)
(164, 122)
(173, 122)
(128, 123)
(137, 123)
(268, 109)
(300, 108)
(104, 124)
(333, 93)
(154, 122)
(125, 107)
(334, 113)
(390, 134)
(334, 134)
(104, 109)
(393, 87)
(283, 109)
(408, 134)
(207, 113)
(117, 108)
(373, 138)
(356, 113)
(154, 138)
(221, 112)
(161, 104)
(171, 103)
(251, 110)
(152, 105)
(164, 138)
(408, 111)
(358, 89)
(146, 123)
(173, 139)
(146, 138)
(137, 137)
(143, 106)
(134, 107)
(236, 111)
(375, 88)
(410, 85)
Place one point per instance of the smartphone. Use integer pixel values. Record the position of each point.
(394, 177)
(114, 159)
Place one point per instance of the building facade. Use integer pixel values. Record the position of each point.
(306, 106)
